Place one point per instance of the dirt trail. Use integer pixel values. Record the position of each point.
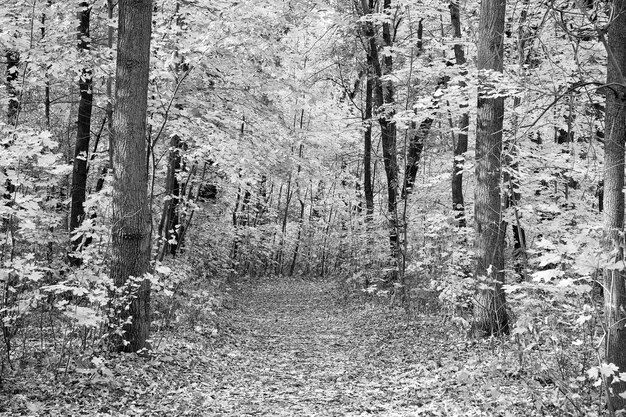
(297, 348)
(294, 349)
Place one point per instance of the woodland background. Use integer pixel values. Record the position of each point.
(332, 141)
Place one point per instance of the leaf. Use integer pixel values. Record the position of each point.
(593, 372)
(511, 288)
(35, 276)
(485, 287)
(608, 369)
(547, 275)
(84, 316)
(46, 140)
(46, 160)
(580, 321)
(548, 259)
(616, 266)
(162, 269)
(106, 372)
(34, 407)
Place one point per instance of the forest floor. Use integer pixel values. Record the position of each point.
(297, 348)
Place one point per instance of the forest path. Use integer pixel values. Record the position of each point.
(294, 348)
(298, 348)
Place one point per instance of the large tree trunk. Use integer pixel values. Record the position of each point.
(83, 135)
(460, 147)
(130, 248)
(615, 139)
(490, 314)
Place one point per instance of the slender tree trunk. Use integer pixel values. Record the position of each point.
(130, 246)
(236, 226)
(283, 228)
(490, 314)
(414, 154)
(615, 139)
(46, 102)
(186, 220)
(109, 92)
(110, 41)
(298, 238)
(273, 245)
(417, 135)
(324, 256)
(367, 148)
(13, 108)
(168, 226)
(388, 134)
(511, 172)
(302, 200)
(384, 100)
(83, 136)
(460, 147)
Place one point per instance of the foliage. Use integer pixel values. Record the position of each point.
(268, 101)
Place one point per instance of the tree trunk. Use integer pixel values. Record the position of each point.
(490, 314)
(511, 174)
(384, 93)
(460, 147)
(414, 154)
(130, 246)
(83, 136)
(367, 148)
(109, 93)
(418, 135)
(168, 226)
(615, 139)
(13, 108)
(46, 102)
(388, 134)
(299, 237)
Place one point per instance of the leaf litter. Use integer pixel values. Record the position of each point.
(290, 347)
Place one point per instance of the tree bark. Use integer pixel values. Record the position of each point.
(367, 146)
(83, 136)
(490, 314)
(384, 101)
(460, 147)
(388, 133)
(615, 139)
(298, 238)
(13, 108)
(168, 226)
(414, 154)
(418, 135)
(130, 246)
(46, 102)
